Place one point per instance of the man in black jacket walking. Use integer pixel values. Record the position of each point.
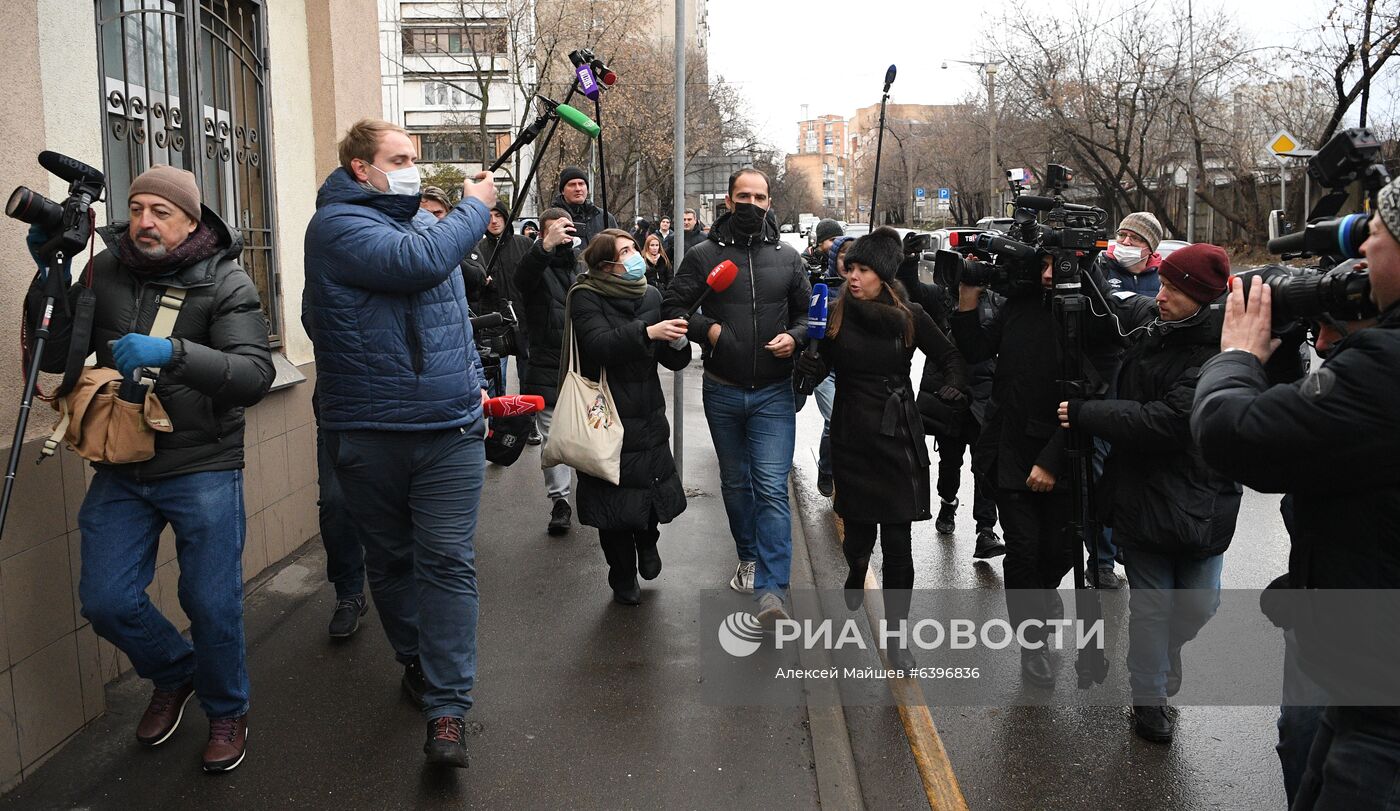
(1330, 441)
(749, 333)
(1172, 515)
(498, 293)
(209, 366)
(543, 278)
(694, 235)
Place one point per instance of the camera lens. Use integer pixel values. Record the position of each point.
(29, 206)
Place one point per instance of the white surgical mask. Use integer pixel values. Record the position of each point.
(402, 181)
(1127, 255)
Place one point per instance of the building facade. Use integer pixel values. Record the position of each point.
(823, 157)
(251, 96)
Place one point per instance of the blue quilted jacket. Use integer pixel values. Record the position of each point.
(386, 308)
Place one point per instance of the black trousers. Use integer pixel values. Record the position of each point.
(620, 551)
(950, 458)
(896, 541)
(1038, 552)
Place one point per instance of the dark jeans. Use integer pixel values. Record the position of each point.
(121, 520)
(950, 457)
(1038, 552)
(896, 544)
(1106, 551)
(620, 551)
(416, 493)
(341, 536)
(1354, 763)
(1298, 718)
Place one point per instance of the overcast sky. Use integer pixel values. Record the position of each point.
(832, 54)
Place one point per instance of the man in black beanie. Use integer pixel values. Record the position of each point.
(573, 198)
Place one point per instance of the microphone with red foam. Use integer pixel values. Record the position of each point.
(512, 405)
(816, 331)
(721, 276)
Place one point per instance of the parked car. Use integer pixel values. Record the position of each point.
(1167, 246)
(995, 223)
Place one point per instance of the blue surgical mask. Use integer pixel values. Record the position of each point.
(634, 267)
(403, 181)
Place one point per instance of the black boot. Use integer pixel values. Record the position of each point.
(944, 523)
(648, 559)
(620, 552)
(855, 582)
(1035, 667)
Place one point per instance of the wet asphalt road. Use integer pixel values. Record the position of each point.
(1065, 757)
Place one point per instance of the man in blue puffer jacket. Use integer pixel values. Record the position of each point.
(399, 388)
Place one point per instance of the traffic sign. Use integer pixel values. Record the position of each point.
(1282, 142)
(943, 194)
(862, 206)
(919, 193)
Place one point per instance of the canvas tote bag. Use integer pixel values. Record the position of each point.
(586, 433)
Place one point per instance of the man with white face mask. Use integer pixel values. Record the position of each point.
(399, 389)
(1130, 263)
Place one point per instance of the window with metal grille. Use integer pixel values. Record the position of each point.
(185, 83)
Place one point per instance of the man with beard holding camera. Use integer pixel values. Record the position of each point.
(1173, 516)
(1331, 442)
(213, 363)
(543, 278)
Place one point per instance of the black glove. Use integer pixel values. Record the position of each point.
(952, 395)
(809, 365)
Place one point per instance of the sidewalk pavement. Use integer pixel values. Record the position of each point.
(580, 702)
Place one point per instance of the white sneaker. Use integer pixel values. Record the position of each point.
(770, 610)
(742, 581)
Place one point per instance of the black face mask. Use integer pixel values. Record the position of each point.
(748, 219)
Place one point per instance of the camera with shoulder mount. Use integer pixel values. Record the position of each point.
(1335, 287)
(1070, 235)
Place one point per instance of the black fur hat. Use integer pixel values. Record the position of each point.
(880, 250)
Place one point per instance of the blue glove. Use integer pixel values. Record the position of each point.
(36, 240)
(135, 350)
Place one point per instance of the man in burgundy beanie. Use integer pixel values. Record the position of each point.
(1172, 515)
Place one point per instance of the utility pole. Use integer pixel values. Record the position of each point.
(995, 196)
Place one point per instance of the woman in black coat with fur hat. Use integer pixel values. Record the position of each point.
(616, 318)
(879, 456)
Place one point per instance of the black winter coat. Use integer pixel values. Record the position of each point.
(1022, 428)
(767, 298)
(543, 281)
(1330, 440)
(502, 285)
(940, 420)
(589, 220)
(693, 237)
(878, 452)
(1157, 492)
(611, 333)
(221, 362)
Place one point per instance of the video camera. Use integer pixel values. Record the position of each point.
(1335, 287)
(1069, 235)
(495, 337)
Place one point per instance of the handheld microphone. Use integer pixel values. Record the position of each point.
(603, 72)
(721, 276)
(69, 169)
(816, 331)
(889, 78)
(573, 118)
(512, 405)
(586, 82)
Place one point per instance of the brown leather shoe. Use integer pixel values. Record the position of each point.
(163, 715)
(228, 743)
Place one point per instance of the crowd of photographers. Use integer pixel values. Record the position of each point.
(1162, 384)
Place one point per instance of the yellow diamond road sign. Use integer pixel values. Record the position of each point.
(1283, 142)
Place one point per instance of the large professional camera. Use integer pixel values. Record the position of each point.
(1069, 235)
(495, 337)
(67, 223)
(1349, 165)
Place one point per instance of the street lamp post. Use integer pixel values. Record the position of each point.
(990, 69)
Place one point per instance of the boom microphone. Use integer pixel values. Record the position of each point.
(889, 78)
(573, 117)
(70, 169)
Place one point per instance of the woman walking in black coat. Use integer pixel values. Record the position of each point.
(616, 319)
(879, 457)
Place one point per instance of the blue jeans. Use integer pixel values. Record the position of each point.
(825, 393)
(1171, 600)
(345, 552)
(121, 520)
(415, 493)
(754, 431)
